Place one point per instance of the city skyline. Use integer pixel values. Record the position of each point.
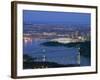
(65, 34)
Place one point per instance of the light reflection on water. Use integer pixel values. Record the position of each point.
(58, 54)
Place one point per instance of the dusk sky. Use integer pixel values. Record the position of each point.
(48, 17)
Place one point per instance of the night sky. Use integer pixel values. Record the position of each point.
(48, 17)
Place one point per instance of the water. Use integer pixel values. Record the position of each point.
(58, 54)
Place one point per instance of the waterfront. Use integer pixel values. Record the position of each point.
(67, 56)
(56, 39)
